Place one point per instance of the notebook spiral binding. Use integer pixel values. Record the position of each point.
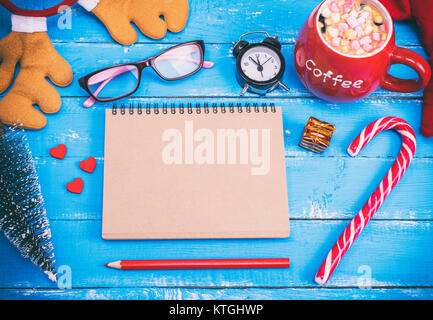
(165, 108)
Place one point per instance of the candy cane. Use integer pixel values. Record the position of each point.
(379, 195)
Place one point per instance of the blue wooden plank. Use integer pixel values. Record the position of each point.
(219, 81)
(395, 252)
(219, 294)
(214, 21)
(318, 188)
(82, 130)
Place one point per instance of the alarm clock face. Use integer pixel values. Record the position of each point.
(260, 63)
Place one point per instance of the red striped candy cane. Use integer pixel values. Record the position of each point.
(379, 195)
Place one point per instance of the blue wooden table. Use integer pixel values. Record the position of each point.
(391, 259)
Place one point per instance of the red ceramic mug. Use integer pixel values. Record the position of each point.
(339, 77)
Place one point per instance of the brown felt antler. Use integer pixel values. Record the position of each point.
(38, 60)
(146, 14)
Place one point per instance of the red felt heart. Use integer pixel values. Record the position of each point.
(88, 165)
(75, 186)
(58, 152)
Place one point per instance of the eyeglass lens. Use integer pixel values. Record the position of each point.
(114, 82)
(179, 61)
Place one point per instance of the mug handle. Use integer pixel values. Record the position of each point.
(413, 60)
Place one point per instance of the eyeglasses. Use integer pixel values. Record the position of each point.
(119, 81)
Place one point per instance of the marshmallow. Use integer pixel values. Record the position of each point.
(352, 27)
(335, 17)
(367, 47)
(354, 45)
(368, 29)
(376, 36)
(359, 31)
(361, 21)
(364, 14)
(336, 41)
(351, 34)
(365, 40)
(342, 26)
(333, 32)
(333, 6)
(352, 22)
(326, 12)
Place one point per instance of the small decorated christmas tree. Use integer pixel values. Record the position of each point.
(23, 217)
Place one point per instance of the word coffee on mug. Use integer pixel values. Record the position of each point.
(345, 49)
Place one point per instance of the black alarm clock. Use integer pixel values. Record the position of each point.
(260, 66)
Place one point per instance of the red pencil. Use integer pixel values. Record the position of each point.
(200, 264)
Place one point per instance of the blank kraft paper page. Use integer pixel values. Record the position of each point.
(195, 175)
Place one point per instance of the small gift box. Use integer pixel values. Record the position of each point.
(317, 135)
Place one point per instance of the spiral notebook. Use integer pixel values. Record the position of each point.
(183, 171)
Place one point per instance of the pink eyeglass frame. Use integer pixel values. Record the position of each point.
(140, 65)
